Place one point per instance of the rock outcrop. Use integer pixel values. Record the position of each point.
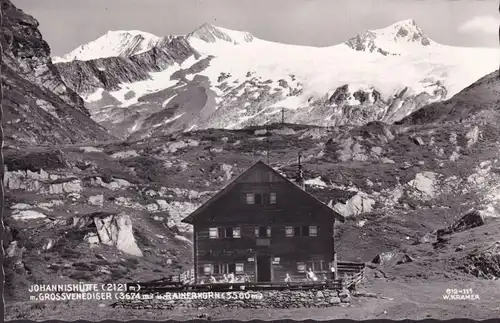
(37, 106)
(41, 182)
(108, 73)
(356, 205)
(425, 184)
(485, 263)
(479, 101)
(110, 229)
(116, 230)
(468, 221)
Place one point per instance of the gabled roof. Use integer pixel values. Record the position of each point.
(189, 219)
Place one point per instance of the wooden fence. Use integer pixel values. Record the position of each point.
(350, 274)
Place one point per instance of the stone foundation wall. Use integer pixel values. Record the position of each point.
(240, 299)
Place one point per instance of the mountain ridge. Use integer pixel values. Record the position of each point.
(385, 76)
(207, 32)
(38, 107)
(115, 43)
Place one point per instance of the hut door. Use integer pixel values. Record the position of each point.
(263, 268)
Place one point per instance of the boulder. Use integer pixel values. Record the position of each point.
(427, 238)
(425, 183)
(346, 299)
(472, 136)
(15, 253)
(153, 207)
(80, 222)
(27, 215)
(404, 259)
(116, 230)
(419, 141)
(92, 238)
(49, 244)
(115, 184)
(383, 257)
(163, 205)
(386, 160)
(97, 200)
(470, 220)
(358, 204)
(73, 186)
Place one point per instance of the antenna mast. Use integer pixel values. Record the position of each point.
(300, 174)
(267, 140)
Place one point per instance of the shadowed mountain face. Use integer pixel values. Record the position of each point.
(110, 72)
(38, 107)
(145, 85)
(478, 102)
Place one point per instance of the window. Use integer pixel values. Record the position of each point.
(301, 267)
(250, 198)
(239, 268)
(230, 268)
(262, 232)
(306, 231)
(233, 232)
(318, 265)
(261, 198)
(217, 269)
(258, 199)
(213, 233)
(207, 269)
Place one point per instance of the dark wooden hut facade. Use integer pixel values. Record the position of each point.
(263, 226)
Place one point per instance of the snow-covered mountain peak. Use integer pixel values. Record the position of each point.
(404, 31)
(213, 34)
(114, 43)
(391, 40)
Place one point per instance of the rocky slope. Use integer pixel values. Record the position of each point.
(406, 181)
(38, 107)
(120, 43)
(201, 85)
(480, 101)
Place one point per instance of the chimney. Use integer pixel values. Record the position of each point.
(300, 175)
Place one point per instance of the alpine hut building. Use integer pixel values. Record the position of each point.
(263, 227)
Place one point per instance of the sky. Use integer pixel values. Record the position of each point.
(66, 24)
